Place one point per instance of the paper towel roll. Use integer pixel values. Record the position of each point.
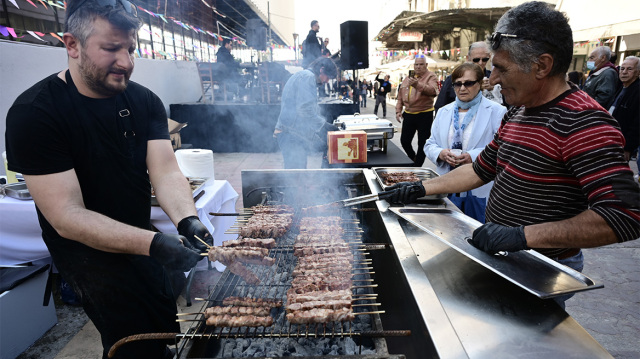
(196, 162)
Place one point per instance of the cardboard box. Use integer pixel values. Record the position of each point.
(347, 146)
(174, 133)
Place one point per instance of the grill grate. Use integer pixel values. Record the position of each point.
(276, 280)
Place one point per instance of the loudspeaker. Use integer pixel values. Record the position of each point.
(256, 34)
(354, 43)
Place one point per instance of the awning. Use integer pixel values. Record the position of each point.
(619, 29)
(438, 23)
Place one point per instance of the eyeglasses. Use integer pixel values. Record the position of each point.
(129, 7)
(466, 84)
(484, 59)
(496, 38)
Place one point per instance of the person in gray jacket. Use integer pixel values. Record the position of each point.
(300, 128)
(602, 82)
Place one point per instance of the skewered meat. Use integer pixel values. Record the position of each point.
(318, 315)
(247, 255)
(303, 284)
(252, 302)
(323, 295)
(338, 257)
(227, 320)
(237, 311)
(240, 270)
(307, 250)
(321, 221)
(391, 178)
(323, 304)
(280, 208)
(322, 229)
(267, 225)
(329, 270)
(310, 238)
(251, 242)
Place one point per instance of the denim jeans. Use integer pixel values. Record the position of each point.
(577, 263)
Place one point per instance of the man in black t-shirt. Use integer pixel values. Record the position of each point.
(90, 144)
(381, 94)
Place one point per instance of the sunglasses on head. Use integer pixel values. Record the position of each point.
(129, 7)
(466, 84)
(484, 59)
(497, 37)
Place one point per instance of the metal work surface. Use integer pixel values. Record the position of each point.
(453, 228)
(469, 311)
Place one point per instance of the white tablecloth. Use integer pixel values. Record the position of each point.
(21, 236)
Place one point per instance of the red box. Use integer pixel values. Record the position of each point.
(347, 146)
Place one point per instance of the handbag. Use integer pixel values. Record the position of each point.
(470, 205)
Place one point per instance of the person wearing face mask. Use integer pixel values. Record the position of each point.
(461, 131)
(416, 95)
(602, 82)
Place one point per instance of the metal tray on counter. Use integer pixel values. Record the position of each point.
(422, 173)
(197, 183)
(17, 190)
(530, 270)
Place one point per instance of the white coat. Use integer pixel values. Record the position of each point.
(486, 124)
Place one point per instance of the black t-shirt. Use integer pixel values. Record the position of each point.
(51, 128)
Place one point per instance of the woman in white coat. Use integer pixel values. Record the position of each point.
(461, 130)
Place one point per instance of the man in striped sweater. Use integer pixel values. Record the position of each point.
(561, 182)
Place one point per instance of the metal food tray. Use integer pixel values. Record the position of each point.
(194, 181)
(422, 173)
(528, 269)
(17, 190)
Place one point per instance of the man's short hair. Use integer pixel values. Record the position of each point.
(330, 68)
(225, 42)
(478, 45)
(459, 71)
(314, 22)
(538, 29)
(603, 50)
(634, 58)
(81, 15)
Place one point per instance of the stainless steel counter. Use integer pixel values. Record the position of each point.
(471, 312)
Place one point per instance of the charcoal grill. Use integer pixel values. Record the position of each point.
(452, 306)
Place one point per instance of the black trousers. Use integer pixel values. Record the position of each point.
(420, 122)
(381, 99)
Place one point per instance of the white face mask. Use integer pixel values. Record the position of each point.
(591, 65)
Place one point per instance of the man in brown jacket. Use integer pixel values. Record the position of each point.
(417, 94)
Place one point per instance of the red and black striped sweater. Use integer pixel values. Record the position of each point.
(555, 161)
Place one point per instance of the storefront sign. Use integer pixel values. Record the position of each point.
(411, 36)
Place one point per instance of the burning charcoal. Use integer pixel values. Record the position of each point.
(350, 347)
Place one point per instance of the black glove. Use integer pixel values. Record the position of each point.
(167, 249)
(190, 227)
(493, 238)
(406, 192)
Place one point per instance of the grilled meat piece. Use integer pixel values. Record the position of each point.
(267, 243)
(227, 320)
(240, 270)
(304, 284)
(264, 225)
(323, 295)
(322, 304)
(391, 178)
(252, 302)
(318, 315)
(247, 255)
(300, 250)
(237, 311)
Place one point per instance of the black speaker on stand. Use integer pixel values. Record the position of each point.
(256, 34)
(354, 44)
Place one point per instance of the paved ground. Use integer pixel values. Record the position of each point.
(611, 315)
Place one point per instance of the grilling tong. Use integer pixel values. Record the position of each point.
(361, 199)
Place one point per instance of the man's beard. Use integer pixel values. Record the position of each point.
(96, 79)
